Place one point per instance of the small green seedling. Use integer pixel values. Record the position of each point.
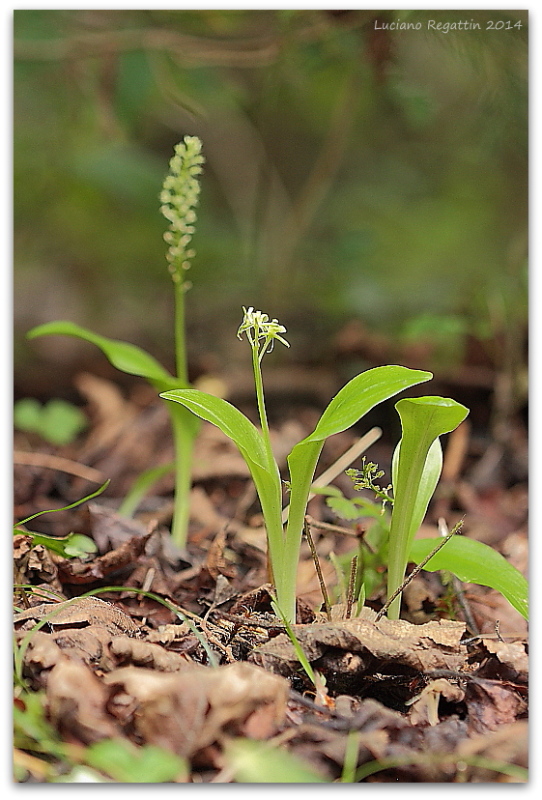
(179, 198)
(74, 545)
(351, 403)
(58, 422)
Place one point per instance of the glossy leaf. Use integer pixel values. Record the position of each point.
(423, 420)
(251, 446)
(352, 402)
(122, 355)
(226, 417)
(475, 562)
(426, 487)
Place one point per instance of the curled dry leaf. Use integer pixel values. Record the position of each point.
(367, 646)
(513, 655)
(189, 710)
(147, 654)
(78, 613)
(425, 706)
(76, 702)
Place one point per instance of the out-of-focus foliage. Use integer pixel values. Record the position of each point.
(352, 171)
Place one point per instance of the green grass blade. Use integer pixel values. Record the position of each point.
(141, 486)
(259, 762)
(476, 562)
(122, 355)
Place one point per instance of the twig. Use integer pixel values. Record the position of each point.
(307, 532)
(342, 463)
(327, 526)
(418, 569)
(351, 587)
(48, 461)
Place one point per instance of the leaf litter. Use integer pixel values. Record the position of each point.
(181, 650)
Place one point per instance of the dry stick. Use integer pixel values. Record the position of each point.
(418, 569)
(48, 461)
(307, 532)
(351, 587)
(458, 588)
(342, 463)
(327, 526)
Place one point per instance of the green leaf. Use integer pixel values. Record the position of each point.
(361, 394)
(58, 422)
(251, 446)
(74, 545)
(426, 486)
(423, 420)
(122, 355)
(226, 417)
(352, 402)
(259, 762)
(126, 763)
(475, 562)
(140, 487)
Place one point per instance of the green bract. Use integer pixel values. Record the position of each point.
(353, 401)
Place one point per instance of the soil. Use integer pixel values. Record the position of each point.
(187, 654)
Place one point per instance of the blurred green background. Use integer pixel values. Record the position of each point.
(359, 181)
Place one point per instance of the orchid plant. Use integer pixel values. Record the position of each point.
(351, 403)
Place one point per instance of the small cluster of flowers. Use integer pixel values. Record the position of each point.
(258, 326)
(179, 198)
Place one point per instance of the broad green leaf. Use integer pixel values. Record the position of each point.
(352, 402)
(58, 422)
(251, 446)
(122, 355)
(426, 486)
(475, 562)
(363, 393)
(423, 420)
(259, 762)
(226, 417)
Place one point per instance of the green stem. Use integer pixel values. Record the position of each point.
(181, 365)
(183, 439)
(275, 534)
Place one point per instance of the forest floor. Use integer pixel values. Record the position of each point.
(145, 663)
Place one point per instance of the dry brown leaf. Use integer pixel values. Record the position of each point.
(147, 654)
(425, 706)
(80, 612)
(491, 704)
(76, 702)
(509, 744)
(512, 655)
(188, 710)
(367, 646)
(74, 571)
